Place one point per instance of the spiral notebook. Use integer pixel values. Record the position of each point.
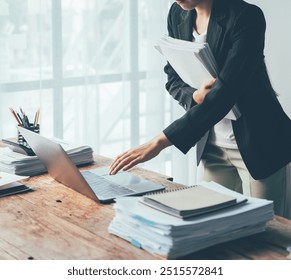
(189, 201)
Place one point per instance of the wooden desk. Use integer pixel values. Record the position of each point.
(55, 222)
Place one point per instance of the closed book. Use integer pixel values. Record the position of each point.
(188, 202)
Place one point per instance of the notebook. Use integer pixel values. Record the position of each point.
(94, 183)
(189, 201)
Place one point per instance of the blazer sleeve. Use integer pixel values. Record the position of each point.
(243, 59)
(179, 90)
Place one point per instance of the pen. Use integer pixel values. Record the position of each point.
(21, 111)
(25, 119)
(20, 118)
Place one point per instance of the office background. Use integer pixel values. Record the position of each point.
(91, 68)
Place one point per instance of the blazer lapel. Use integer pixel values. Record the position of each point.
(215, 29)
(216, 26)
(185, 28)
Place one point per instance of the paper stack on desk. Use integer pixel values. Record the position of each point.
(9, 184)
(173, 237)
(21, 164)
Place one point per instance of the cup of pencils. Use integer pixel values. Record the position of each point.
(22, 120)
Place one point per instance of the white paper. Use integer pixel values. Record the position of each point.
(166, 235)
(7, 178)
(193, 62)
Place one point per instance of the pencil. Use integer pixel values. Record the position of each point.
(15, 116)
(36, 118)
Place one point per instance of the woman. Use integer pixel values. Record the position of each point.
(250, 154)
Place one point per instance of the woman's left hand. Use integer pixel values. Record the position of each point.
(140, 154)
(199, 95)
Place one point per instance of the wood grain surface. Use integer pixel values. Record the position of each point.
(55, 222)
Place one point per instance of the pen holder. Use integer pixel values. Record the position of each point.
(21, 140)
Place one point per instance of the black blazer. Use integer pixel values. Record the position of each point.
(236, 36)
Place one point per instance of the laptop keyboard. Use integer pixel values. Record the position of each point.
(104, 188)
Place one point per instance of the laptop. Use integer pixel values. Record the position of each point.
(96, 183)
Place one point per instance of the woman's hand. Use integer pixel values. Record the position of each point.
(199, 95)
(140, 154)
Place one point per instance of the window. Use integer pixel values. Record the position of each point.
(91, 68)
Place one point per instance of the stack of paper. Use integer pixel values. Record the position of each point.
(21, 164)
(10, 186)
(193, 62)
(172, 237)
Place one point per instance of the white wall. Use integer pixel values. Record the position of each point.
(278, 46)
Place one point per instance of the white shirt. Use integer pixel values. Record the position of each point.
(222, 133)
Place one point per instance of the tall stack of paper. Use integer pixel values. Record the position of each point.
(9, 184)
(21, 164)
(173, 237)
(193, 62)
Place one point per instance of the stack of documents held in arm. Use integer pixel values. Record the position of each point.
(169, 225)
(21, 164)
(194, 62)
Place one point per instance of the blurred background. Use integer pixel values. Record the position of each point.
(91, 68)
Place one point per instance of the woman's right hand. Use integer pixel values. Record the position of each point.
(199, 94)
(140, 154)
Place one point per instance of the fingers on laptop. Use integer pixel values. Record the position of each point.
(124, 161)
